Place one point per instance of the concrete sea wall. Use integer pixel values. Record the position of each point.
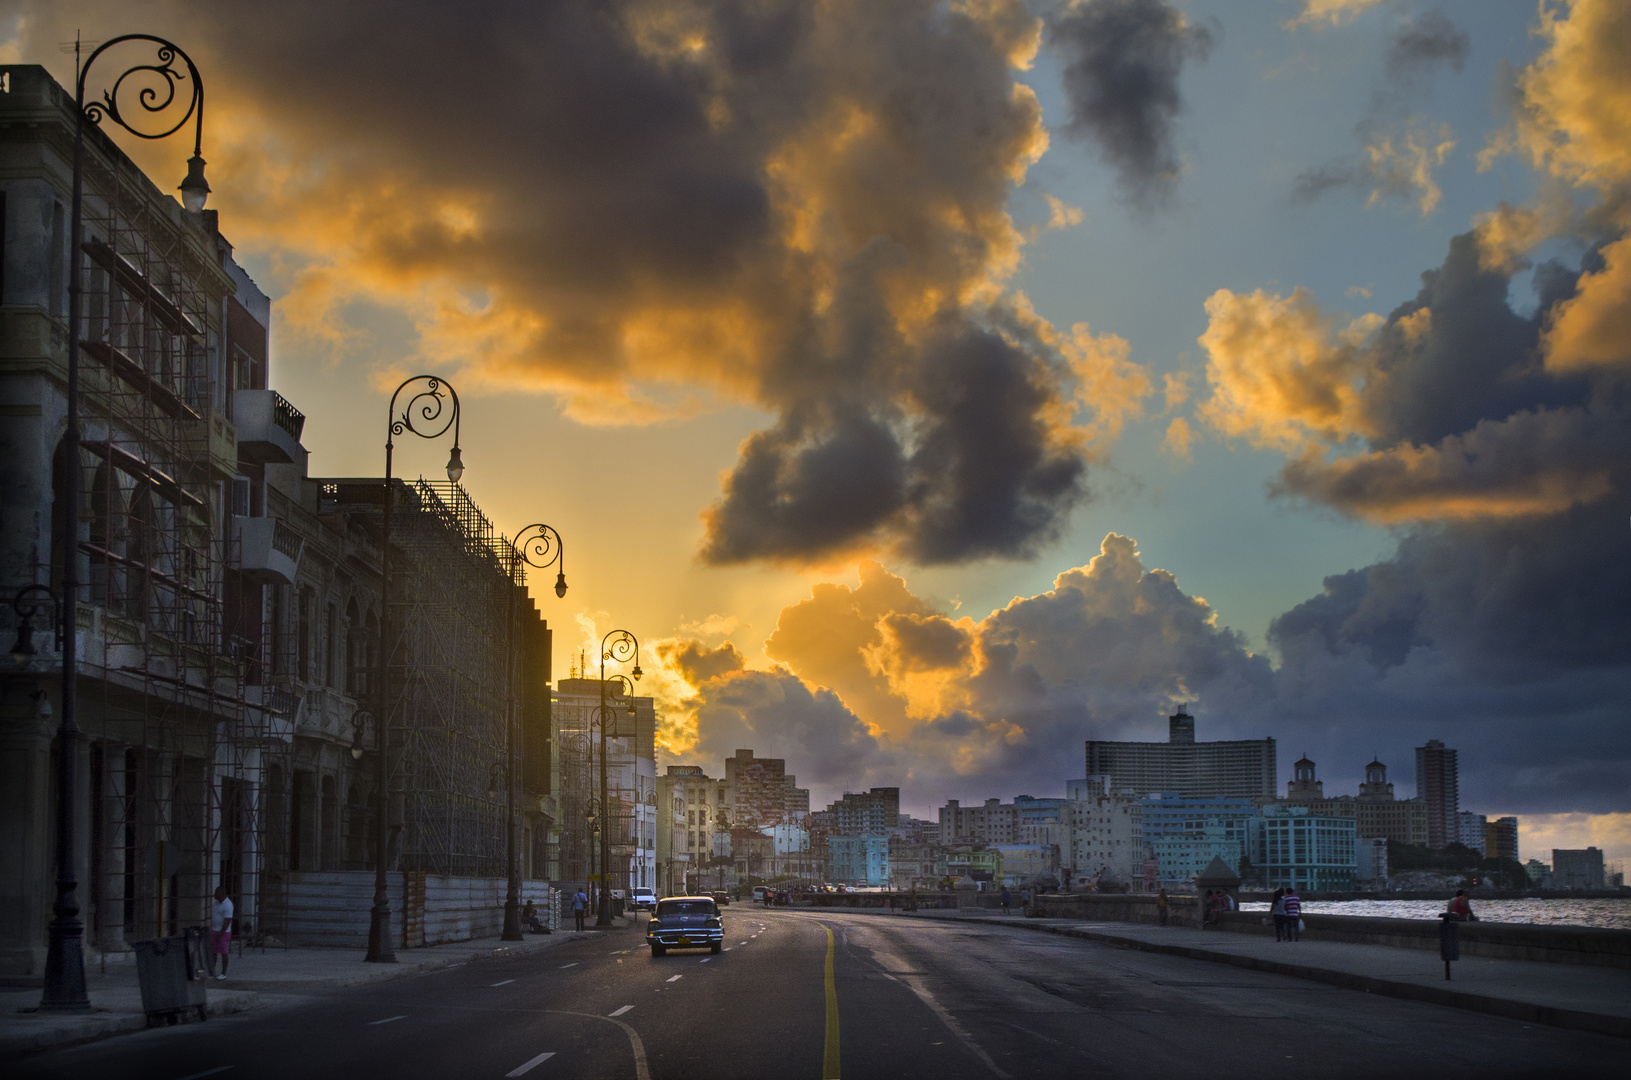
(1509, 941)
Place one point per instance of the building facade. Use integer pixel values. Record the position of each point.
(629, 806)
(1234, 769)
(1577, 869)
(871, 813)
(230, 605)
(1292, 847)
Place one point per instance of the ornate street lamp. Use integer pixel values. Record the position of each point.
(538, 546)
(28, 602)
(428, 415)
(65, 955)
(619, 646)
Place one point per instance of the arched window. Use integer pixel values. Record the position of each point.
(370, 659)
(354, 648)
(140, 549)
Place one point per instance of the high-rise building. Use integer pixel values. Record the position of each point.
(1437, 785)
(1237, 768)
(1472, 831)
(868, 813)
(757, 789)
(1504, 838)
(991, 823)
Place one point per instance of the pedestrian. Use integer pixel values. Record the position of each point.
(220, 930)
(1278, 910)
(1294, 914)
(1005, 899)
(529, 919)
(1460, 908)
(580, 907)
(1161, 907)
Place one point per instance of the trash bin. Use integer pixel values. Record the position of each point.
(617, 906)
(171, 971)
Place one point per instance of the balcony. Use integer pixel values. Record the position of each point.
(268, 427)
(268, 550)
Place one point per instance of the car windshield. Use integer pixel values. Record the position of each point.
(686, 907)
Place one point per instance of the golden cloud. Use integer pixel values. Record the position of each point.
(1283, 374)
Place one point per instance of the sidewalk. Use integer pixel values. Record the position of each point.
(254, 980)
(1559, 995)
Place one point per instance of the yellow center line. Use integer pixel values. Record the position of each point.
(829, 1056)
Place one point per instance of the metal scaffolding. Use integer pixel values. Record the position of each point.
(450, 595)
(179, 757)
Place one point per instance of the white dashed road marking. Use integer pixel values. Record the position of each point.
(705, 959)
(572, 964)
(621, 1011)
(675, 978)
(528, 1066)
(506, 982)
(387, 1020)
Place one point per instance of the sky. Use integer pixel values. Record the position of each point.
(934, 386)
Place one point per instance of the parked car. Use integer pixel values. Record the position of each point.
(759, 893)
(683, 922)
(644, 898)
(723, 899)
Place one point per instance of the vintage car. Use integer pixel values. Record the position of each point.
(684, 922)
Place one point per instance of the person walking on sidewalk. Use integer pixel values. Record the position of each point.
(580, 906)
(220, 930)
(1294, 914)
(1005, 899)
(1278, 910)
(1161, 907)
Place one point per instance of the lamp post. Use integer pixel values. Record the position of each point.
(539, 546)
(591, 812)
(619, 646)
(422, 415)
(65, 957)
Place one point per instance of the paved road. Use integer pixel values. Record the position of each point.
(904, 998)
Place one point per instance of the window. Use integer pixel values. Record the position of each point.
(303, 634)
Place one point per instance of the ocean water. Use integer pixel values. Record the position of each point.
(1614, 914)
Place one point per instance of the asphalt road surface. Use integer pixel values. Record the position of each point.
(805, 995)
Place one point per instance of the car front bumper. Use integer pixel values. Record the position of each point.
(692, 937)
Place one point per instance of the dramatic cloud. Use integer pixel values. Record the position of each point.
(1123, 62)
(1424, 42)
(1500, 440)
(643, 206)
(929, 701)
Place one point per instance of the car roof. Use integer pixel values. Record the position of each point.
(707, 898)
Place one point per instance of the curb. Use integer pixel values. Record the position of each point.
(1508, 1008)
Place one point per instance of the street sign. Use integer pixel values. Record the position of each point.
(594, 877)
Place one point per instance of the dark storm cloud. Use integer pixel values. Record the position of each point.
(1504, 614)
(783, 203)
(975, 470)
(1421, 43)
(1123, 60)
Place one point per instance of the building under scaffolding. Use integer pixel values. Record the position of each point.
(631, 810)
(229, 605)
